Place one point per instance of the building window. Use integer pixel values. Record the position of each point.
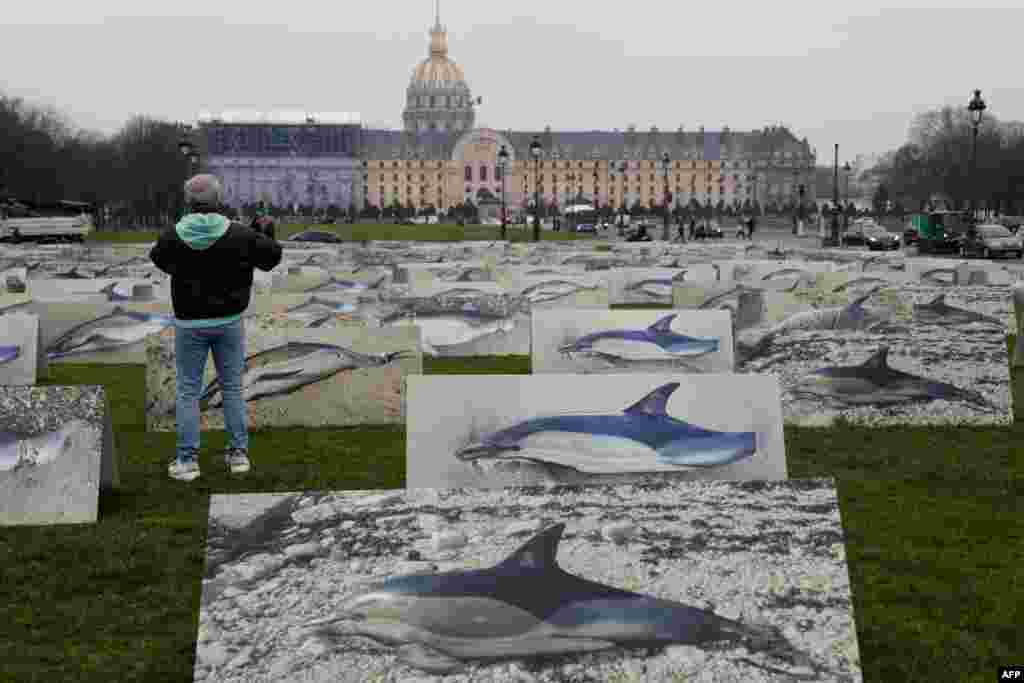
(469, 174)
(483, 174)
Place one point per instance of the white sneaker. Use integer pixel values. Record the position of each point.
(183, 471)
(237, 460)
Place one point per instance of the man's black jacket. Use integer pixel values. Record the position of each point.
(215, 282)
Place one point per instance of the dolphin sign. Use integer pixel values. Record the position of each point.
(642, 438)
(938, 312)
(659, 334)
(874, 383)
(528, 606)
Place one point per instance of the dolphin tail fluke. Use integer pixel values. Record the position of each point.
(539, 552)
(428, 659)
(654, 403)
(879, 359)
(663, 325)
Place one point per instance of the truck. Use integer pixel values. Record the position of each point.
(937, 232)
(52, 223)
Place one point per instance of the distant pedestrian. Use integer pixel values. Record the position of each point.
(693, 229)
(263, 222)
(751, 225)
(210, 261)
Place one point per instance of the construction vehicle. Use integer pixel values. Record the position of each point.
(937, 232)
(63, 221)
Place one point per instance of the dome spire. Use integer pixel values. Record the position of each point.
(438, 36)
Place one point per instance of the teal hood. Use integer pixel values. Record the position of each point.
(201, 230)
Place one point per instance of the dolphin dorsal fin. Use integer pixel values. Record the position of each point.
(879, 359)
(859, 301)
(539, 552)
(940, 299)
(653, 403)
(663, 325)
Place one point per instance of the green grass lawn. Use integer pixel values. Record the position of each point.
(934, 520)
(374, 231)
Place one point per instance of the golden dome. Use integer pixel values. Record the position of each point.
(437, 70)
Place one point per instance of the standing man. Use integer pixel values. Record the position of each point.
(263, 222)
(210, 261)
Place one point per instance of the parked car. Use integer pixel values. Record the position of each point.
(586, 227)
(315, 236)
(709, 231)
(871, 235)
(989, 241)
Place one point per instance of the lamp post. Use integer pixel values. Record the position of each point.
(570, 186)
(187, 148)
(835, 199)
(665, 162)
(793, 199)
(535, 151)
(502, 166)
(597, 204)
(846, 199)
(976, 107)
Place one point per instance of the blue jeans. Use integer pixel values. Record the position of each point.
(192, 347)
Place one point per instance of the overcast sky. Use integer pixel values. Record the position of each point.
(835, 71)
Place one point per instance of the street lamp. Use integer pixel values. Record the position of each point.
(666, 161)
(502, 165)
(846, 201)
(835, 199)
(976, 107)
(535, 151)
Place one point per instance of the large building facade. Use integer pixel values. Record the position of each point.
(441, 160)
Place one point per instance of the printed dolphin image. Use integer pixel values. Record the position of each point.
(335, 285)
(939, 276)
(659, 335)
(799, 276)
(287, 368)
(659, 288)
(874, 383)
(9, 353)
(316, 308)
(853, 316)
(642, 438)
(115, 330)
(542, 271)
(442, 330)
(72, 274)
(527, 606)
(938, 312)
(552, 290)
(113, 295)
(857, 283)
(461, 274)
(20, 451)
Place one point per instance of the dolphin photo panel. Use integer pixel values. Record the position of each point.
(19, 349)
(884, 349)
(468, 584)
(460, 320)
(331, 377)
(14, 304)
(96, 290)
(507, 430)
(56, 453)
(622, 341)
(95, 332)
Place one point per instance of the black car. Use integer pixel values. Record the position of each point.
(315, 236)
(990, 241)
(709, 231)
(872, 236)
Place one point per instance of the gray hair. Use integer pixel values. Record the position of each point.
(204, 190)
